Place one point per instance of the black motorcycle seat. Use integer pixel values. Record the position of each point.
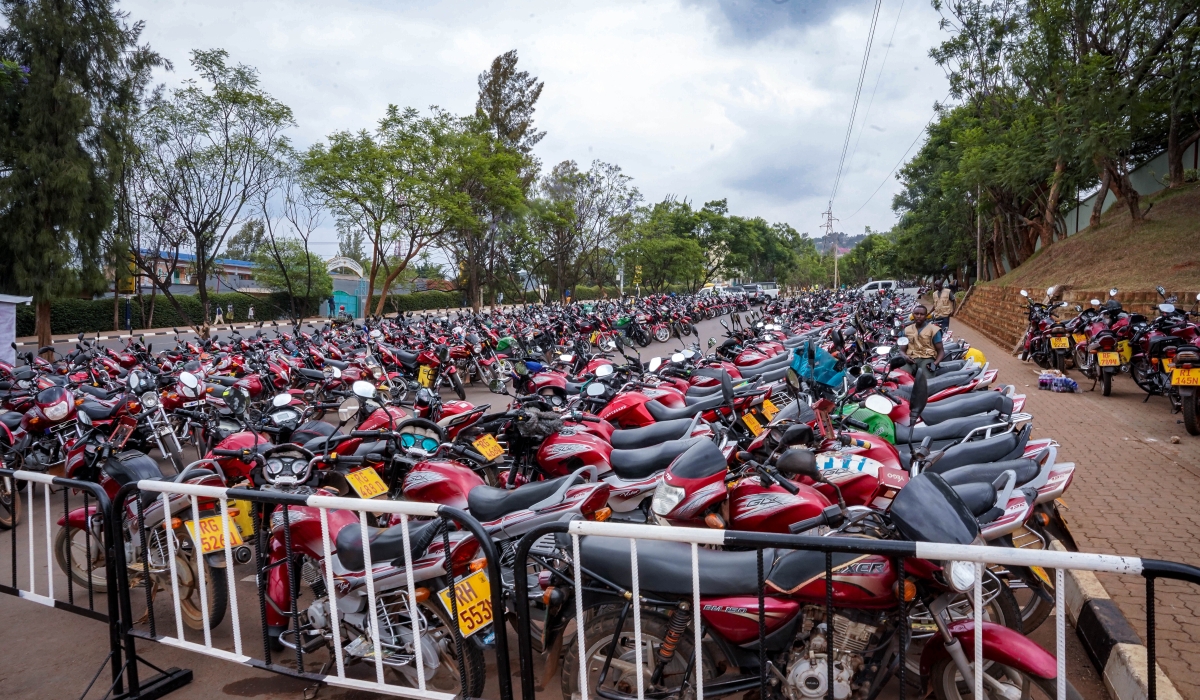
(97, 411)
(11, 419)
(226, 381)
(642, 462)
(98, 391)
(337, 363)
(941, 383)
(703, 390)
(369, 447)
(648, 436)
(130, 466)
(951, 347)
(1025, 469)
(999, 448)
(666, 567)
(946, 430)
(796, 569)
(949, 367)
(978, 497)
(310, 373)
(487, 503)
(769, 377)
(572, 388)
(408, 359)
(770, 363)
(968, 404)
(663, 413)
(387, 544)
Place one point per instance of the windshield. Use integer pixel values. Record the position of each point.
(701, 460)
(928, 510)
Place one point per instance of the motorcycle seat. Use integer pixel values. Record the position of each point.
(634, 438)
(946, 430)
(999, 448)
(771, 376)
(387, 544)
(572, 388)
(664, 413)
(770, 363)
(798, 568)
(226, 380)
(666, 567)
(967, 405)
(950, 366)
(369, 447)
(408, 359)
(130, 466)
(641, 463)
(310, 373)
(938, 384)
(337, 363)
(99, 391)
(701, 391)
(978, 497)
(12, 419)
(1025, 469)
(487, 503)
(97, 411)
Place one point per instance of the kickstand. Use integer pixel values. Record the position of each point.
(310, 693)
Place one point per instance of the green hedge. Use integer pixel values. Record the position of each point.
(96, 315)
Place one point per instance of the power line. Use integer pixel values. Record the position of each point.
(878, 76)
(862, 74)
(897, 165)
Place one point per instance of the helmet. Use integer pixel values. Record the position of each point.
(976, 355)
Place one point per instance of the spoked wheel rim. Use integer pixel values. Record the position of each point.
(84, 564)
(10, 503)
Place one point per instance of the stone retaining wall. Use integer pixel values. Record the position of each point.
(1000, 312)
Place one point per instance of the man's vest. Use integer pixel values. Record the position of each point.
(942, 306)
(920, 342)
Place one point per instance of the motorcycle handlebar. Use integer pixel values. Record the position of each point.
(231, 453)
(367, 433)
(831, 516)
(855, 423)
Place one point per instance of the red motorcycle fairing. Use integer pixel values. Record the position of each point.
(737, 616)
(759, 509)
(563, 453)
(601, 429)
(595, 362)
(865, 583)
(235, 469)
(305, 524)
(1000, 644)
(666, 395)
(379, 420)
(628, 410)
(440, 481)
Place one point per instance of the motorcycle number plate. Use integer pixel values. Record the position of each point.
(1079, 338)
(189, 404)
(488, 447)
(366, 483)
(473, 596)
(752, 423)
(1186, 377)
(425, 375)
(1108, 359)
(595, 337)
(212, 535)
(121, 435)
(769, 410)
(1060, 343)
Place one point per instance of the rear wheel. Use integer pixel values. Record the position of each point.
(10, 504)
(446, 677)
(457, 385)
(1189, 416)
(1106, 383)
(84, 563)
(662, 334)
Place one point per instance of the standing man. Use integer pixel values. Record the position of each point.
(250, 314)
(219, 317)
(229, 310)
(943, 305)
(924, 347)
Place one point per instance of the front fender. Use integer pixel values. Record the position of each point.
(78, 518)
(1000, 644)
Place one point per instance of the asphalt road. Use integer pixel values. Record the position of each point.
(54, 654)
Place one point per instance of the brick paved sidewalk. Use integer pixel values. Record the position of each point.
(1134, 493)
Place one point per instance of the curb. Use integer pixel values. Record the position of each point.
(1113, 645)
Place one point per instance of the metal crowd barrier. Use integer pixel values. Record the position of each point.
(272, 509)
(897, 551)
(91, 522)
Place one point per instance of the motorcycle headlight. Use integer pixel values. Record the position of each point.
(57, 411)
(961, 575)
(376, 371)
(666, 497)
(149, 400)
(478, 348)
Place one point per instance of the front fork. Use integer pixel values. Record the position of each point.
(938, 608)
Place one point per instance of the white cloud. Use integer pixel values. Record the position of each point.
(707, 99)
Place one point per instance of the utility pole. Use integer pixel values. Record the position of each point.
(828, 226)
(978, 234)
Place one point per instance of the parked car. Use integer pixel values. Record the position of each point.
(770, 289)
(889, 285)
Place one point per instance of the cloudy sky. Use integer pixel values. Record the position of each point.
(705, 99)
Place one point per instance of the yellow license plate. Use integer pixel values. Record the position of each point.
(769, 410)
(1186, 377)
(242, 515)
(425, 376)
(212, 535)
(1125, 350)
(474, 599)
(753, 424)
(1108, 359)
(1041, 574)
(1079, 338)
(488, 447)
(366, 483)
(1060, 343)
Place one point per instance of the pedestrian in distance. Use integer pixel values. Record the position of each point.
(924, 348)
(943, 305)
(219, 317)
(250, 314)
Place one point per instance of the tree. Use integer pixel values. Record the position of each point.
(208, 153)
(62, 150)
(247, 241)
(663, 244)
(507, 98)
(285, 265)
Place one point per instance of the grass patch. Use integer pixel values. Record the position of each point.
(1164, 249)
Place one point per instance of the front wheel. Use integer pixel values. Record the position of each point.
(1002, 682)
(81, 559)
(10, 504)
(1189, 415)
(457, 385)
(662, 334)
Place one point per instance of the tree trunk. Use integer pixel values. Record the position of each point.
(116, 306)
(1120, 184)
(42, 325)
(1176, 147)
(153, 299)
(1049, 220)
(1098, 207)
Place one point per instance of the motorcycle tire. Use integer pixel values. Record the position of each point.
(79, 571)
(662, 334)
(10, 504)
(642, 338)
(189, 592)
(948, 685)
(1189, 416)
(1105, 383)
(600, 633)
(457, 385)
(687, 329)
(446, 679)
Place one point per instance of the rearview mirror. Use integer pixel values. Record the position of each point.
(793, 379)
(363, 389)
(1095, 302)
(281, 400)
(677, 357)
(878, 404)
(604, 371)
(1112, 292)
(883, 350)
(1024, 293)
(348, 409)
(654, 364)
(496, 386)
(595, 389)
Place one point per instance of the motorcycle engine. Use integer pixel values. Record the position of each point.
(808, 672)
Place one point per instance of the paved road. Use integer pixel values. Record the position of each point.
(1134, 492)
(58, 653)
